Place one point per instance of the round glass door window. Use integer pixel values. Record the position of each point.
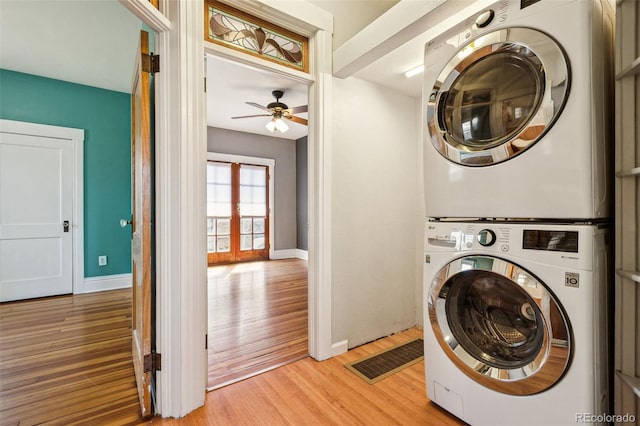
(497, 97)
(500, 325)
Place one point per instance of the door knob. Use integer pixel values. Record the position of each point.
(125, 222)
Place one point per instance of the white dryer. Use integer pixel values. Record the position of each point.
(515, 326)
(516, 102)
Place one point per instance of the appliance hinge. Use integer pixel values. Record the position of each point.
(150, 63)
(152, 362)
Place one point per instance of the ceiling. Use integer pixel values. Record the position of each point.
(93, 42)
(90, 42)
(230, 86)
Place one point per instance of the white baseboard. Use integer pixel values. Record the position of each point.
(290, 254)
(105, 282)
(339, 347)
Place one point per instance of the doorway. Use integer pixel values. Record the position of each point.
(258, 311)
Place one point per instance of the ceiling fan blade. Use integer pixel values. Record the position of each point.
(248, 116)
(298, 109)
(296, 119)
(258, 106)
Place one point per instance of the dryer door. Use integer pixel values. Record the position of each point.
(498, 96)
(500, 325)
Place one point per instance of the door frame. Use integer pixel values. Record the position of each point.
(316, 24)
(181, 141)
(76, 136)
(258, 161)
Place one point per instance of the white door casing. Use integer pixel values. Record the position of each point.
(180, 188)
(38, 193)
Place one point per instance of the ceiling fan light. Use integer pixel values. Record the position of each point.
(271, 125)
(281, 125)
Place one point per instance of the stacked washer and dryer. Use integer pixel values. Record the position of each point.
(517, 198)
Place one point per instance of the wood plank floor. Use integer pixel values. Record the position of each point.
(308, 392)
(67, 361)
(257, 318)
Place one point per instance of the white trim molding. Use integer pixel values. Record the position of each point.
(107, 282)
(289, 254)
(339, 347)
(148, 14)
(181, 150)
(77, 220)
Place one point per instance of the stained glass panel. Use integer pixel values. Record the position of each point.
(238, 30)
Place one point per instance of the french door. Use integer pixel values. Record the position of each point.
(237, 212)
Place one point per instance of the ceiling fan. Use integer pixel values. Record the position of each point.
(278, 111)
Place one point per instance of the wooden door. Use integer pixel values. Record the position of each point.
(36, 205)
(141, 238)
(237, 212)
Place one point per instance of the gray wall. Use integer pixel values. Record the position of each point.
(283, 151)
(301, 193)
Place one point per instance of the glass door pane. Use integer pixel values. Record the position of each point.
(237, 211)
(219, 207)
(253, 207)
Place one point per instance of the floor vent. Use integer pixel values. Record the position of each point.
(383, 364)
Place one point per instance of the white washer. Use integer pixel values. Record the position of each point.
(517, 100)
(515, 326)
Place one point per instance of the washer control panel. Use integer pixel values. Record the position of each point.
(467, 236)
(564, 243)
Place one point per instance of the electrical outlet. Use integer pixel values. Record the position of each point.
(102, 260)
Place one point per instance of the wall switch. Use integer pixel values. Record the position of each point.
(102, 260)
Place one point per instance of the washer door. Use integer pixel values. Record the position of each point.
(498, 96)
(500, 325)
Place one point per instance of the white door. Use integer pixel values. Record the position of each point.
(36, 206)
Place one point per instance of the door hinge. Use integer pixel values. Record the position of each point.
(152, 362)
(150, 63)
(206, 341)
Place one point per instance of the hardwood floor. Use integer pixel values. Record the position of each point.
(257, 318)
(67, 361)
(308, 392)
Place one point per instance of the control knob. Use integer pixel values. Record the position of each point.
(484, 18)
(486, 237)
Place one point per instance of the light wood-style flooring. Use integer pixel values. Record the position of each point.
(66, 360)
(308, 392)
(257, 318)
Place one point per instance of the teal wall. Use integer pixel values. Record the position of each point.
(105, 117)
